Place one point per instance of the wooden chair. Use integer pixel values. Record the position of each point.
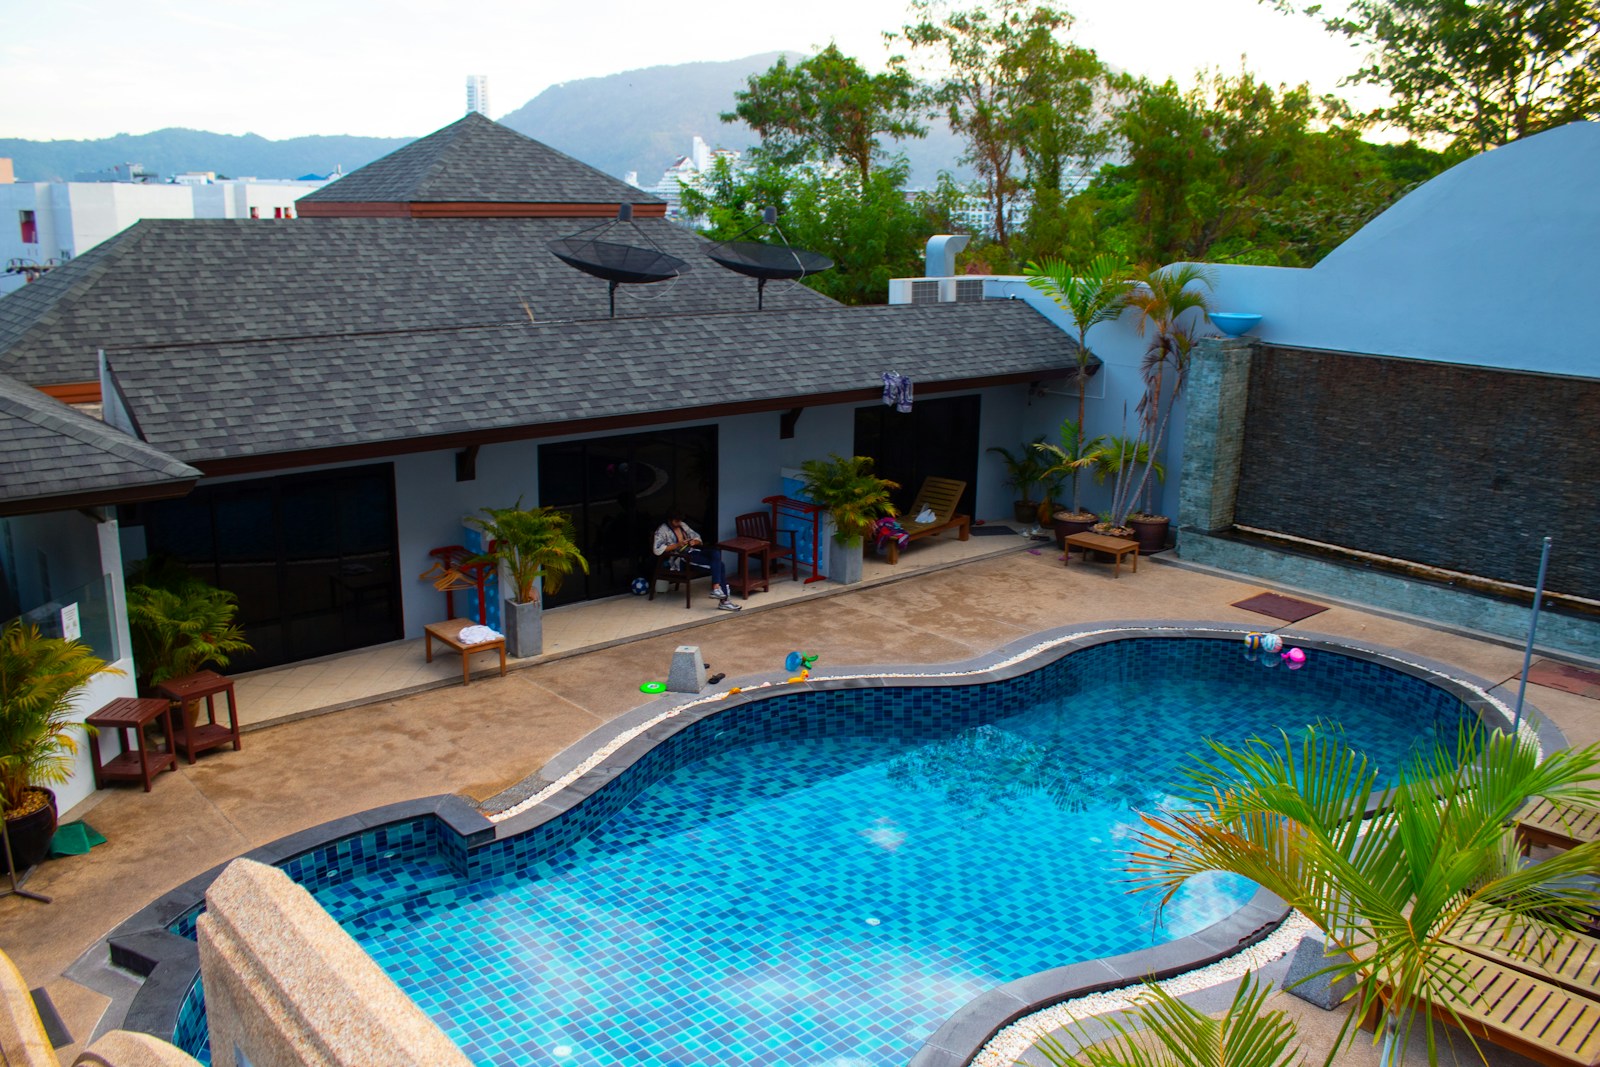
(684, 576)
(941, 496)
(758, 524)
(1567, 958)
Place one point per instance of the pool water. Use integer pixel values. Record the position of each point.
(817, 899)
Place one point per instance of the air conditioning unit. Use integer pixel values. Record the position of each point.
(935, 290)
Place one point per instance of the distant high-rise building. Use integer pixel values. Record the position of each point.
(478, 94)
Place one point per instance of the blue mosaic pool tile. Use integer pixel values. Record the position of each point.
(808, 877)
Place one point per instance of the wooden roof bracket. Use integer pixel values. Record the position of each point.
(786, 422)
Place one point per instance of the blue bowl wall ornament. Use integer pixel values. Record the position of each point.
(1234, 323)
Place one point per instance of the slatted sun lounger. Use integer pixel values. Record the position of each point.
(1557, 824)
(1536, 1019)
(941, 496)
(1565, 958)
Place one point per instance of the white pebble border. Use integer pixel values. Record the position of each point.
(1528, 730)
(1006, 1047)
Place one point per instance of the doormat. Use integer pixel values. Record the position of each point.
(1279, 606)
(75, 839)
(1565, 677)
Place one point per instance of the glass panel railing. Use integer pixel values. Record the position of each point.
(86, 609)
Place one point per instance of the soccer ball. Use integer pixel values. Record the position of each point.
(640, 587)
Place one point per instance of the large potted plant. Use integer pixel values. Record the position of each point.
(1163, 298)
(180, 624)
(1025, 468)
(1096, 294)
(39, 677)
(1068, 460)
(855, 498)
(533, 546)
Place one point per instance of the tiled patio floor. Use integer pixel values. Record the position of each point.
(481, 738)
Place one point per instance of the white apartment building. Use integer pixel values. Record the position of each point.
(478, 94)
(45, 223)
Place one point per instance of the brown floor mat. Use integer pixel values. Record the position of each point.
(1565, 677)
(1279, 606)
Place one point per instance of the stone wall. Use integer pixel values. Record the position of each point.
(1456, 467)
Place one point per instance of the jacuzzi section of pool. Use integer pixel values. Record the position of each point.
(825, 876)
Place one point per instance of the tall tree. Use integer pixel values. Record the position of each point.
(1480, 74)
(1028, 104)
(828, 108)
(871, 229)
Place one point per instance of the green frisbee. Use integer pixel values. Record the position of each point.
(653, 687)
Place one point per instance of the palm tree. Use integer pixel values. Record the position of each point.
(1180, 1036)
(1162, 297)
(1384, 890)
(1096, 295)
(534, 543)
(39, 679)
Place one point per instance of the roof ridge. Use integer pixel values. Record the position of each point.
(60, 418)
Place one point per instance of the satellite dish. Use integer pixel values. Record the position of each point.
(614, 261)
(765, 262)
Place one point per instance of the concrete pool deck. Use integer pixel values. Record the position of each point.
(479, 739)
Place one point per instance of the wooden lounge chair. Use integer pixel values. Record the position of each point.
(941, 496)
(1566, 958)
(1536, 1019)
(1557, 824)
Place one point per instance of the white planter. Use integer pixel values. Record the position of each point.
(844, 562)
(524, 628)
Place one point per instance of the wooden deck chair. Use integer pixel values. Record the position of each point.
(941, 496)
(1566, 958)
(1536, 1019)
(1557, 824)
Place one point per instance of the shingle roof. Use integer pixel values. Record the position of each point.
(283, 397)
(53, 457)
(180, 281)
(475, 159)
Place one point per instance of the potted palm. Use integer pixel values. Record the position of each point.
(180, 624)
(1068, 460)
(39, 678)
(1163, 297)
(1118, 459)
(1025, 468)
(1097, 294)
(855, 498)
(533, 546)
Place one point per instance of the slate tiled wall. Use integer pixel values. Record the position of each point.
(1451, 466)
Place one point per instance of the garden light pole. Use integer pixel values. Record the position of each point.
(1533, 624)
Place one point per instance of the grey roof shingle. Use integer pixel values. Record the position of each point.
(52, 456)
(475, 159)
(291, 396)
(182, 281)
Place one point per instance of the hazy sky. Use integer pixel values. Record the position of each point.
(283, 68)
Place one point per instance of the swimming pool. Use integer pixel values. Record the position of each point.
(823, 876)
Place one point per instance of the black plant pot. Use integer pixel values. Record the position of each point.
(30, 834)
(1066, 526)
(1025, 511)
(1151, 534)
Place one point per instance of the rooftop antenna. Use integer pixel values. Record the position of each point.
(764, 262)
(590, 251)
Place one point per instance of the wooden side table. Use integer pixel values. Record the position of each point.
(1116, 546)
(450, 634)
(203, 735)
(123, 715)
(747, 547)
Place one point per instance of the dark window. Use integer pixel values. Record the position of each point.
(936, 438)
(618, 490)
(311, 557)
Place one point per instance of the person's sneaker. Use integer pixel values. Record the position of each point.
(728, 605)
(719, 593)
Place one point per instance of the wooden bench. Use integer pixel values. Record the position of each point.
(1093, 542)
(941, 496)
(450, 634)
(1558, 824)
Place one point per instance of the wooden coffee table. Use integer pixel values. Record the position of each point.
(741, 578)
(129, 716)
(191, 689)
(1093, 542)
(450, 634)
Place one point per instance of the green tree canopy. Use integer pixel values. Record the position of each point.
(1480, 74)
(871, 229)
(827, 108)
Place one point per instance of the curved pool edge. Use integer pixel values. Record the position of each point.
(961, 1037)
(169, 963)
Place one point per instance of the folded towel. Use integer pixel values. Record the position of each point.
(477, 635)
(926, 515)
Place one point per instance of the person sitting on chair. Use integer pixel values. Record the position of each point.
(676, 537)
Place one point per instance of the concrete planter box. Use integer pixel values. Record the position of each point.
(844, 563)
(524, 629)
